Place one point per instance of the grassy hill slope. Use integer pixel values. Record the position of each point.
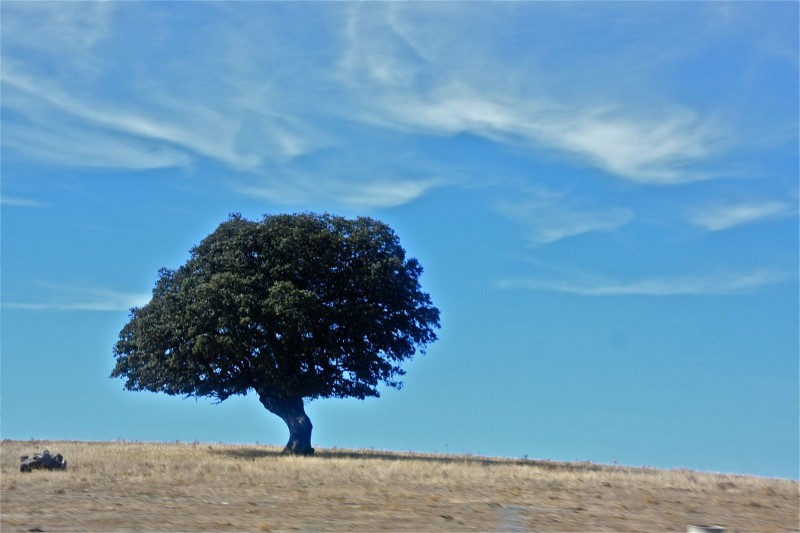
(122, 486)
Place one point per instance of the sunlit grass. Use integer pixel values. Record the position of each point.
(126, 486)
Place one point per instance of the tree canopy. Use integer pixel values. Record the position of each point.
(291, 306)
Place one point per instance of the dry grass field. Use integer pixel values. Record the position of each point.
(123, 486)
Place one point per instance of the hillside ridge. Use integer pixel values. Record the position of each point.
(146, 486)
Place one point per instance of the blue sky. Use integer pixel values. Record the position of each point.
(604, 197)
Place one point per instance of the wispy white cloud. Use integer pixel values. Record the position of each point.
(726, 284)
(369, 194)
(15, 201)
(633, 145)
(69, 298)
(65, 144)
(389, 193)
(242, 116)
(549, 216)
(657, 150)
(255, 95)
(431, 91)
(724, 216)
(391, 61)
(73, 27)
(92, 118)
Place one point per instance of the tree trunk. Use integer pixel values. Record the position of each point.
(292, 412)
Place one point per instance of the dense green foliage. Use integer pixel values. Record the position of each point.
(292, 306)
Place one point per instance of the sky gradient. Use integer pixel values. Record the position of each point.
(604, 197)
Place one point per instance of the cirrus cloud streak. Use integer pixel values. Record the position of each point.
(727, 284)
(70, 299)
(725, 216)
(549, 215)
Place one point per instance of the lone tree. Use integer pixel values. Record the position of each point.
(294, 307)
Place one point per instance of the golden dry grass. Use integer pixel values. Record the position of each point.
(123, 486)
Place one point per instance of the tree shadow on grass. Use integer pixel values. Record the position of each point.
(255, 452)
(247, 453)
(336, 453)
(441, 458)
